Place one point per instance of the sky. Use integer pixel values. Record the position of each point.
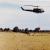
(12, 15)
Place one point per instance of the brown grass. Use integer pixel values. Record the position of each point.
(19, 41)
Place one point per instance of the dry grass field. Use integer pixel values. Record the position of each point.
(20, 41)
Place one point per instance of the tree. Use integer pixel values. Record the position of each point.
(6, 29)
(26, 30)
(15, 29)
(1, 29)
(37, 29)
(22, 30)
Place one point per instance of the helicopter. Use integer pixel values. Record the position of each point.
(35, 10)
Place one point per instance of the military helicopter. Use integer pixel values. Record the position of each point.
(36, 9)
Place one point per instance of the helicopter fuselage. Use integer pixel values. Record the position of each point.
(36, 10)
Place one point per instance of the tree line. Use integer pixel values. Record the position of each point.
(26, 30)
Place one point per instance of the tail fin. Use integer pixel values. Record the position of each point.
(22, 8)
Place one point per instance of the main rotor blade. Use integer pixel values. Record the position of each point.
(36, 6)
(31, 5)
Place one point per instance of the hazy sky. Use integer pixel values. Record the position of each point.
(11, 14)
(8, 13)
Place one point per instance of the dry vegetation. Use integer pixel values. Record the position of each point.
(20, 41)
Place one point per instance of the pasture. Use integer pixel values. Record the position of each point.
(21, 41)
